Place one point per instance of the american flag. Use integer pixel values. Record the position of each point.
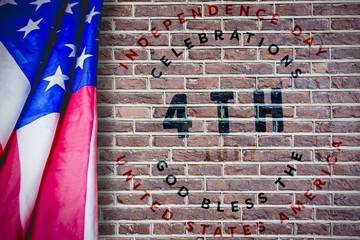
(48, 119)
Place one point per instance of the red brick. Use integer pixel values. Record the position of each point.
(104, 83)
(346, 229)
(165, 10)
(293, 9)
(311, 141)
(240, 184)
(281, 83)
(347, 199)
(202, 170)
(313, 228)
(132, 141)
(168, 141)
(336, 9)
(240, 54)
(202, 83)
(313, 112)
(272, 141)
(338, 214)
(106, 229)
(132, 112)
(131, 24)
(167, 83)
(236, 82)
(337, 127)
(346, 112)
(168, 228)
(104, 140)
(111, 10)
(241, 141)
(203, 25)
(167, 53)
(138, 84)
(173, 69)
(239, 68)
(336, 67)
(345, 82)
(241, 169)
(345, 53)
(240, 25)
(115, 126)
(346, 23)
(312, 83)
(336, 97)
(120, 53)
(105, 170)
(203, 141)
(135, 228)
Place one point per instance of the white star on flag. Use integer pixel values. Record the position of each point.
(57, 79)
(38, 3)
(73, 49)
(69, 6)
(31, 26)
(80, 60)
(91, 15)
(3, 2)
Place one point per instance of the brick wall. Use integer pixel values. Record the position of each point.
(234, 164)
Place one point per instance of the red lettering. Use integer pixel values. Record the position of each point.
(131, 55)
(190, 226)
(210, 8)
(243, 10)
(319, 183)
(205, 226)
(283, 217)
(140, 42)
(258, 13)
(275, 18)
(167, 211)
(321, 50)
(296, 28)
(309, 195)
(261, 227)
(155, 32)
(145, 195)
(126, 67)
(122, 156)
(336, 145)
(309, 41)
(136, 186)
(196, 13)
(167, 23)
(228, 9)
(297, 208)
(181, 18)
(246, 229)
(129, 175)
(232, 230)
(218, 232)
(326, 172)
(328, 160)
(154, 206)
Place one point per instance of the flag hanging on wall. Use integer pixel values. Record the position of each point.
(48, 120)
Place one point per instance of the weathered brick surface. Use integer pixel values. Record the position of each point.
(319, 107)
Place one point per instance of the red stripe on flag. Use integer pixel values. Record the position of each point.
(60, 210)
(10, 223)
(1, 150)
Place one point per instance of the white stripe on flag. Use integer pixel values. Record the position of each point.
(34, 141)
(14, 89)
(90, 232)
